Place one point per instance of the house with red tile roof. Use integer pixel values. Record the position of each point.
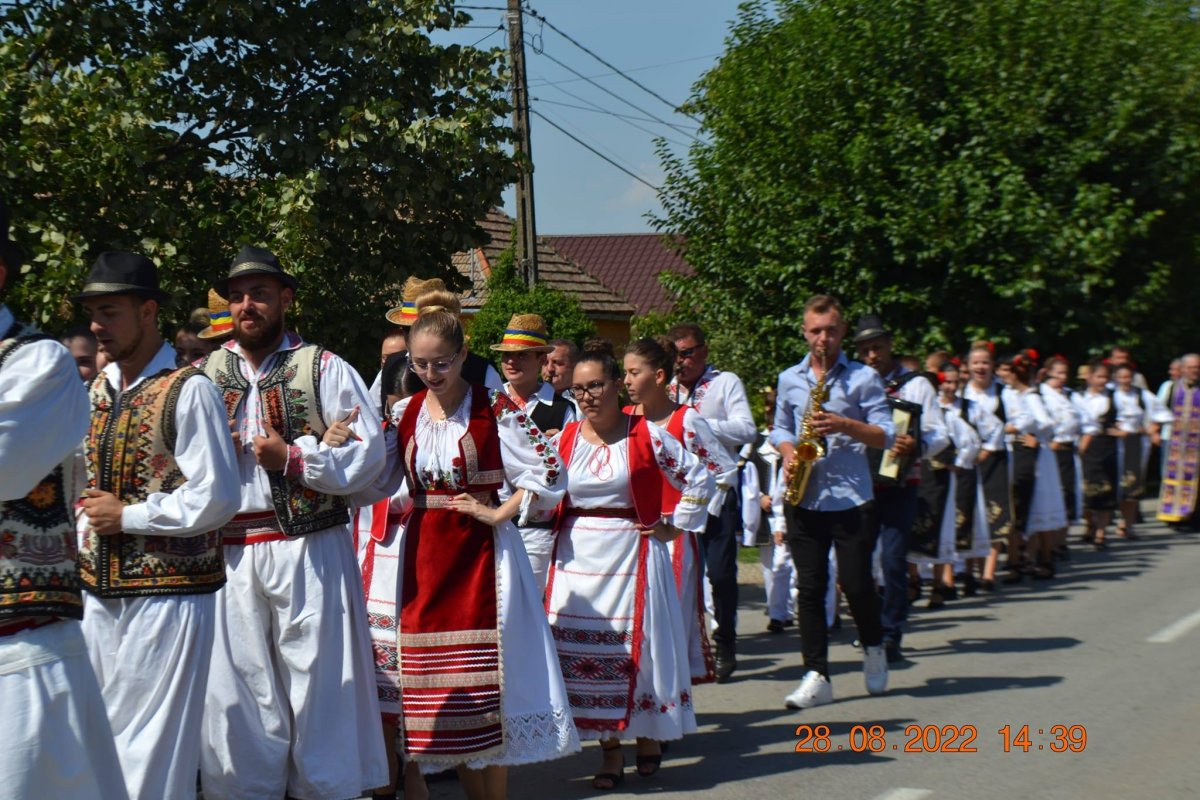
(607, 308)
(629, 263)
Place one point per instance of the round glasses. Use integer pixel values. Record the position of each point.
(441, 366)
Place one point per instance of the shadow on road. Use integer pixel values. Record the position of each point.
(946, 687)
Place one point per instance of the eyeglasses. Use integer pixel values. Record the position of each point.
(593, 390)
(441, 366)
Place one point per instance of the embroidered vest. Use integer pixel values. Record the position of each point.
(291, 401)
(131, 452)
(39, 573)
(645, 479)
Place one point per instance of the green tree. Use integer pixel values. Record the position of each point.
(1021, 170)
(337, 133)
(508, 295)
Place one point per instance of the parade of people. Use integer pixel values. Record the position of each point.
(833, 412)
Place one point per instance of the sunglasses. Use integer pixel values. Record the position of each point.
(687, 353)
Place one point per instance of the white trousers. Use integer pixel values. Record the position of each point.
(57, 740)
(779, 580)
(151, 656)
(292, 707)
(539, 546)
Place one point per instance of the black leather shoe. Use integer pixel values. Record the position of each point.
(894, 656)
(775, 626)
(726, 664)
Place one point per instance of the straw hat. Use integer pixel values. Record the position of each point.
(525, 332)
(220, 323)
(406, 313)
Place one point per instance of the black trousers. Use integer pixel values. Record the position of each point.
(852, 533)
(720, 563)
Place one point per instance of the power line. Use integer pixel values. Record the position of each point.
(584, 144)
(635, 69)
(494, 31)
(608, 91)
(673, 106)
(626, 118)
(597, 106)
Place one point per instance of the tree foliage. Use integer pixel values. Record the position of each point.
(1021, 170)
(508, 295)
(337, 133)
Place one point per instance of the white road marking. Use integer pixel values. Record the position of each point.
(905, 794)
(1176, 629)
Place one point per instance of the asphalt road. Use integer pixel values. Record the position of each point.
(1110, 647)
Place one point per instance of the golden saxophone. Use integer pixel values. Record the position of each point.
(809, 446)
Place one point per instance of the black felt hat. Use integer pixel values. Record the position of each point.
(252, 260)
(123, 273)
(9, 252)
(870, 326)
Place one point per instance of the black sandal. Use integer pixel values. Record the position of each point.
(648, 765)
(614, 779)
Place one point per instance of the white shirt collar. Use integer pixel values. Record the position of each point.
(163, 359)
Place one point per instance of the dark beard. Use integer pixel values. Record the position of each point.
(117, 356)
(268, 333)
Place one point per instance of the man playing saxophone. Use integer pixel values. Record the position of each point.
(848, 414)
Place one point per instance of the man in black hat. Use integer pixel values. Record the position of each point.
(292, 707)
(161, 483)
(913, 394)
(47, 681)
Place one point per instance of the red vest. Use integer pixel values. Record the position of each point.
(645, 479)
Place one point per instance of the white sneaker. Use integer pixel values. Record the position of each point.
(875, 669)
(813, 690)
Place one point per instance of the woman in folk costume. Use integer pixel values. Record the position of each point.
(1059, 401)
(1038, 511)
(480, 685)
(1139, 415)
(939, 487)
(611, 596)
(983, 406)
(377, 537)
(523, 352)
(648, 367)
(1098, 453)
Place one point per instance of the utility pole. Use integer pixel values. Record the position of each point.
(526, 228)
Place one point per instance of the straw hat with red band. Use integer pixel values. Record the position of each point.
(525, 332)
(406, 313)
(220, 323)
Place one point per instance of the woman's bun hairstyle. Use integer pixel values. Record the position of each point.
(437, 314)
(600, 350)
(439, 300)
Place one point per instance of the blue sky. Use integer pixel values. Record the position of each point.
(665, 44)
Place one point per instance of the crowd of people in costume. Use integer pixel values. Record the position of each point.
(229, 562)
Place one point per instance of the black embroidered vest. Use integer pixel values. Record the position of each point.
(39, 573)
(291, 401)
(131, 453)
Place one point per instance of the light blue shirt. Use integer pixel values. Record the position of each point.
(842, 479)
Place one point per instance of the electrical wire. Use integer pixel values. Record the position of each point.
(495, 30)
(626, 118)
(545, 82)
(629, 103)
(673, 106)
(596, 152)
